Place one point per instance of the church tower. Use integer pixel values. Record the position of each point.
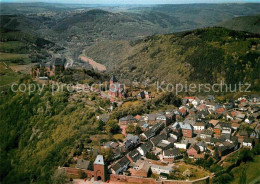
(113, 80)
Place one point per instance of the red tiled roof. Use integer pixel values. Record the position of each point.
(182, 110)
(137, 116)
(189, 97)
(233, 113)
(243, 100)
(220, 110)
(214, 122)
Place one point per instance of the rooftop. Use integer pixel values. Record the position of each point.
(99, 160)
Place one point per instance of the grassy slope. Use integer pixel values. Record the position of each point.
(13, 57)
(7, 75)
(246, 23)
(196, 172)
(252, 171)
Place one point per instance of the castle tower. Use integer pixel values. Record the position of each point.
(99, 168)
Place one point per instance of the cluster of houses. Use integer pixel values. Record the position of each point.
(200, 126)
(197, 128)
(118, 90)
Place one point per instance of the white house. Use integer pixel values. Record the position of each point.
(196, 102)
(174, 135)
(181, 145)
(211, 106)
(158, 169)
(199, 126)
(229, 117)
(202, 146)
(144, 148)
(249, 120)
(161, 118)
(171, 154)
(248, 142)
(226, 128)
(206, 134)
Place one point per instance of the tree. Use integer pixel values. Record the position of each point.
(172, 176)
(216, 154)
(138, 130)
(82, 174)
(59, 177)
(112, 127)
(199, 162)
(224, 178)
(130, 129)
(134, 129)
(100, 125)
(151, 155)
(245, 155)
(256, 149)
(209, 162)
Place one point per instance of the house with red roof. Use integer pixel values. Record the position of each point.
(220, 110)
(183, 111)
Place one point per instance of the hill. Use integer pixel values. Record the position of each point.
(80, 25)
(204, 55)
(245, 23)
(40, 133)
(20, 47)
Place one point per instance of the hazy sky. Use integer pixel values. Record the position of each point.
(134, 1)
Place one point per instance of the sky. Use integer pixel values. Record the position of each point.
(135, 1)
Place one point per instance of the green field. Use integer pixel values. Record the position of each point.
(13, 57)
(7, 75)
(11, 46)
(195, 172)
(252, 171)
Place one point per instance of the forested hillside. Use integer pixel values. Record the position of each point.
(204, 55)
(39, 133)
(245, 23)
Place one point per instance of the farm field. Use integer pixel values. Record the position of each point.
(12, 57)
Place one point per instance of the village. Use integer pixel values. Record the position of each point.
(198, 129)
(130, 92)
(156, 145)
